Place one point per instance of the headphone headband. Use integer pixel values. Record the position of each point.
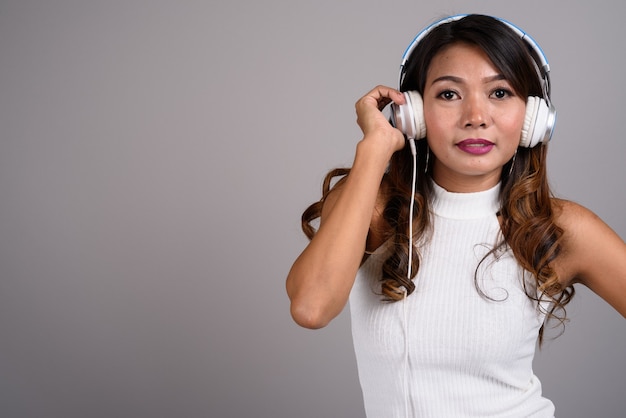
(542, 65)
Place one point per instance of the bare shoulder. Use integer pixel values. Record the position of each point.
(582, 227)
(566, 209)
(575, 218)
(592, 253)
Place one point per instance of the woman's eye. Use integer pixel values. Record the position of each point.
(501, 93)
(447, 95)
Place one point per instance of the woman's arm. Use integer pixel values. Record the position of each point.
(593, 254)
(321, 278)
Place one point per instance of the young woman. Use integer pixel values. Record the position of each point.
(450, 284)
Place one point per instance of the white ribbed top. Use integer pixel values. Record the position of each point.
(467, 356)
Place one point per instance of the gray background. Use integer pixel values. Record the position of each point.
(155, 158)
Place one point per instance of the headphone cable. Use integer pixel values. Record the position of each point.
(409, 273)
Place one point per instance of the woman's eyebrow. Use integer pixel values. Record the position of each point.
(496, 77)
(448, 78)
(455, 79)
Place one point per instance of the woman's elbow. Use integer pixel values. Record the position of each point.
(310, 317)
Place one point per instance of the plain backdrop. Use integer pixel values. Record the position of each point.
(155, 157)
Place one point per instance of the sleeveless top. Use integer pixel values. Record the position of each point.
(446, 350)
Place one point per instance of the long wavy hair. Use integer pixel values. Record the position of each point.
(526, 212)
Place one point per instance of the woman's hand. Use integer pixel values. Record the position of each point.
(374, 124)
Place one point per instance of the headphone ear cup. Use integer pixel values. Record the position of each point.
(538, 122)
(409, 117)
(417, 103)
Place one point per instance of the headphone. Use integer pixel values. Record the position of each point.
(540, 115)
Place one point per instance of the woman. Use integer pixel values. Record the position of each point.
(447, 304)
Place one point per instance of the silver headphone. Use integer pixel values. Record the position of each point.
(540, 113)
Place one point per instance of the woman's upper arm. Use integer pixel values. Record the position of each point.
(594, 254)
(376, 235)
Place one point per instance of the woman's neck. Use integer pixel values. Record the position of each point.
(466, 183)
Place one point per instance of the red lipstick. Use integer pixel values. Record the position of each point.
(475, 146)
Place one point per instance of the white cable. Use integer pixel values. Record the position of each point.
(412, 206)
(406, 358)
(409, 271)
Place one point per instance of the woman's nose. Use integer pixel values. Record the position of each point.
(475, 113)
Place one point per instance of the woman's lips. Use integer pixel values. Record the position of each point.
(476, 146)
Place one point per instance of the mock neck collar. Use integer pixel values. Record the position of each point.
(465, 205)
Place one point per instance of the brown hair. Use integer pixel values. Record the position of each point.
(526, 214)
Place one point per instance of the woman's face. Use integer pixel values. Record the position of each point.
(473, 119)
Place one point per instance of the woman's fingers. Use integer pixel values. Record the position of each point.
(373, 122)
